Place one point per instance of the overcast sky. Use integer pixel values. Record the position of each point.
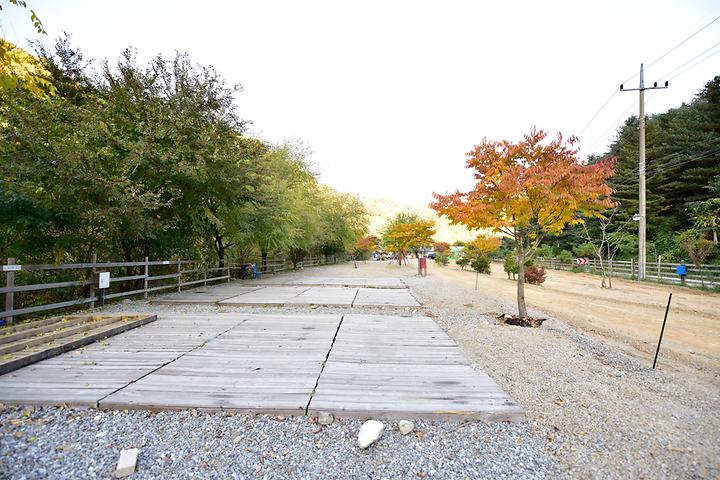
(390, 95)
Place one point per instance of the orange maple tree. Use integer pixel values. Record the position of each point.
(526, 190)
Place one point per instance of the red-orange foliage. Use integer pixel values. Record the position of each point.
(368, 243)
(441, 247)
(528, 189)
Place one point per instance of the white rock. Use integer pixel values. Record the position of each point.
(369, 433)
(127, 463)
(237, 440)
(406, 426)
(325, 418)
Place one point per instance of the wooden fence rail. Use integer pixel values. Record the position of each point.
(157, 275)
(665, 272)
(154, 282)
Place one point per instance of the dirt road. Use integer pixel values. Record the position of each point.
(630, 314)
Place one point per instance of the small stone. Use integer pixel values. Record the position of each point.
(369, 433)
(406, 426)
(127, 463)
(237, 440)
(325, 418)
(280, 418)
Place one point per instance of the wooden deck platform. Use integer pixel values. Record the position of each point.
(324, 295)
(385, 366)
(297, 279)
(351, 365)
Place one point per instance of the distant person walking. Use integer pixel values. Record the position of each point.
(682, 271)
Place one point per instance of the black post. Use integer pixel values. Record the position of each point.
(662, 330)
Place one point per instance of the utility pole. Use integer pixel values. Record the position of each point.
(642, 203)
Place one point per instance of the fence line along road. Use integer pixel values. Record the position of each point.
(697, 275)
(26, 292)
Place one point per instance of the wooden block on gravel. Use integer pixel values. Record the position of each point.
(127, 463)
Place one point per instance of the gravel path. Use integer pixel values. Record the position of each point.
(602, 413)
(84, 443)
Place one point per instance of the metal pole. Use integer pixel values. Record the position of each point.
(9, 296)
(662, 330)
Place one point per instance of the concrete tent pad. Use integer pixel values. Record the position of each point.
(84, 376)
(398, 367)
(267, 363)
(385, 297)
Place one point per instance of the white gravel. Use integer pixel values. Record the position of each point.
(39, 443)
(602, 413)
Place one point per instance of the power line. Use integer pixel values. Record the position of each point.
(656, 169)
(675, 47)
(602, 107)
(598, 112)
(695, 57)
(695, 65)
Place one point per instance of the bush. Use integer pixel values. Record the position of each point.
(510, 265)
(565, 256)
(481, 264)
(535, 275)
(441, 258)
(463, 262)
(545, 251)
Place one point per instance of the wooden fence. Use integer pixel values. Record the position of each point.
(697, 275)
(32, 289)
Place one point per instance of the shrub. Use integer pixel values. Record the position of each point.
(510, 265)
(441, 258)
(535, 275)
(565, 256)
(463, 262)
(481, 264)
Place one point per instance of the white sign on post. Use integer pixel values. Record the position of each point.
(104, 281)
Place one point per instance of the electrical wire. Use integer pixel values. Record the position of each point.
(681, 66)
(695, 65)
(602, 107)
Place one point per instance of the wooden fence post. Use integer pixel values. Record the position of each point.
(179, 271)
(227, 264)
(9, 296)
(632, 268)
(93, 260)
(658, 269)
(205, 275)
(147, 274)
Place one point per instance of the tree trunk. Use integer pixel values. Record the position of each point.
(418, 259)
(263, 255)
(522, 308)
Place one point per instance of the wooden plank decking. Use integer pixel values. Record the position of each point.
(351, 365)
(401, 367)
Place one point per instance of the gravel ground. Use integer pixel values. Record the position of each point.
(592, 412)
(85, 443)
(602, 413)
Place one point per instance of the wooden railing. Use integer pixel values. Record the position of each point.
(166, 275)
(27, 290)
(664, 272)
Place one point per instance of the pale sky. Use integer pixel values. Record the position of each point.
(390, 95)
